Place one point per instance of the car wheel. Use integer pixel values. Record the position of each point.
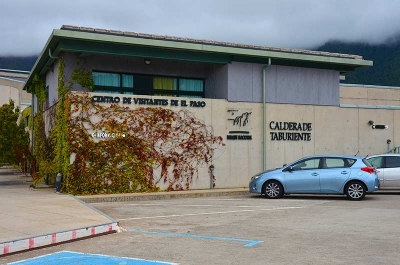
(355, 191)
(273, 189)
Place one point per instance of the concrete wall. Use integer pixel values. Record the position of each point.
(284, 84)
(14, 90)
(369, 95)
(335, 130)
(8, 92)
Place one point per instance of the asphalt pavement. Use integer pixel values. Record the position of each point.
(32, 218)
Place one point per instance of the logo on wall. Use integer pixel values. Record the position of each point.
(239, 124)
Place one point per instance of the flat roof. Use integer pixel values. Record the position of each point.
(88, 41)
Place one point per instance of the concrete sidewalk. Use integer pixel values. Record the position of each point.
(32, 218)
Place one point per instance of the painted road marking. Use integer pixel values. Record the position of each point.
(250, 243)
(247, 199)
(210, 213)
(70, 258)
(189, 205)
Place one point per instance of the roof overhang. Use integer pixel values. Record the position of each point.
(89, 43)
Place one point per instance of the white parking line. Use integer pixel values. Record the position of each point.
(170, 204)
(281, 200)
(210, 213)
(191, 205)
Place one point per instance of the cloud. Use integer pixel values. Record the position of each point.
(26, 25)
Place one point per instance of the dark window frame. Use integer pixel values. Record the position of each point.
(152, 91)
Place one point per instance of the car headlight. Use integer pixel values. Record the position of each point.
(255, 177)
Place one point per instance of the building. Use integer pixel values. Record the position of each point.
(270, 106)
(11, 87)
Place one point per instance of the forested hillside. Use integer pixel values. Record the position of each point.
(24, 63)
(386, 58)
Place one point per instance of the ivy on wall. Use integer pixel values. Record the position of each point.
(146, 147)
(42, 150)
(51, 148)
(143, 147)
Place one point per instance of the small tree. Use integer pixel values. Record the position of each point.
(14, 139)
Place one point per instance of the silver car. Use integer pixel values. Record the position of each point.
(388, 169)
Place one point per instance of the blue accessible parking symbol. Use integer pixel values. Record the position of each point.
(76, 258)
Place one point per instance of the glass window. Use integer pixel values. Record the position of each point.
(127, 81)
(191, 85)
(147, 85)
(350, 161)
(376, 161)
(307, 164)
(164, 83)
(392, 161)
(106, 79)
(334, 163)
(143, 82)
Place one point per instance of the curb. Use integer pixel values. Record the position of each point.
(182, 194)
(56, 238)
(160, 195)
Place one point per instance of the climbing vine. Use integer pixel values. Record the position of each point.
(141, 150)
(51, 145)
(142, 147)
(43, 150)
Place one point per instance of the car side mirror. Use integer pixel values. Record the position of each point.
(284, 165)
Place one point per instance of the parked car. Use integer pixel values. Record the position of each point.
(321, 174)
(388, 169)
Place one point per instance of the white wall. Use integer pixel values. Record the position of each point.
(335, 130)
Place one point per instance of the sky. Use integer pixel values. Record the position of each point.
(25, 25)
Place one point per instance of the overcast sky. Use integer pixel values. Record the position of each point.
(25, 25)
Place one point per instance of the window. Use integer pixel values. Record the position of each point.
(307, 164)
(47, 102)
(334, 163)
(27, 121)
(147, 85)
(350, 161)
(392, 161)
(376, 161)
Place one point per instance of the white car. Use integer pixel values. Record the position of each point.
(388, 169)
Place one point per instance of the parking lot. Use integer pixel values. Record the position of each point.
(246, 230)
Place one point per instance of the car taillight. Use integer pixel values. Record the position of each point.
(370, 170)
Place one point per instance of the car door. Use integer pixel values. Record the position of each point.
(303, 177)
(391, 171)
(334, 173)
(377, 162)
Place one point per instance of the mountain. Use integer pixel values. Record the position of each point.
(386, 58)
(24, 63)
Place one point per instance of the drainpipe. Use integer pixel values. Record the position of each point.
(264, 114)
(51, 56)
(33, 123)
